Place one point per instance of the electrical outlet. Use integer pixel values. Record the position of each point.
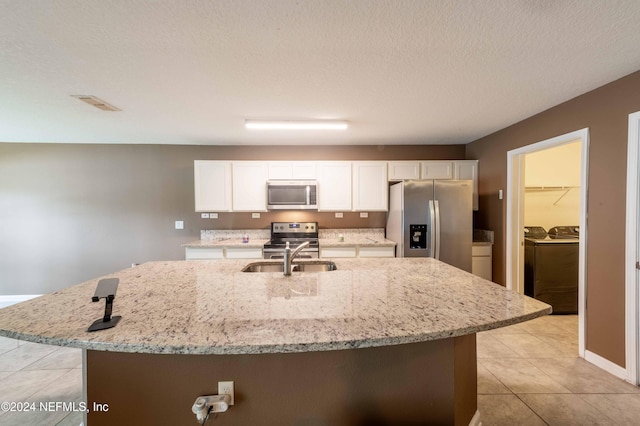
(226, 388)
(364, 214)
(204, 215)
(179, 224)
(338, 214)
(213, 215)
(255, 215)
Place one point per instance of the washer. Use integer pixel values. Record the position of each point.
(551, 266)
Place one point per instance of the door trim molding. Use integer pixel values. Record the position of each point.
(514, 236)
(632, 250)
(606, 365)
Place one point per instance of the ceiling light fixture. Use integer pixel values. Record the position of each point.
(295, 125)
(96, 102)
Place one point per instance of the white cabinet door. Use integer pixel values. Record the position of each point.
(370, 186)
(403, 170)
(287, 170)
(436, 170)
(334, 185)
(192, 253)
(280, 170)
(212, 184)
(481, 261)
(348, 251)
(249, 185)
(468, 169)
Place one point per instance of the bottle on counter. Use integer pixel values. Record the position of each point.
(245, 238)
(341, 238)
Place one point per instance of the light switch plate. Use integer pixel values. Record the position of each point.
(364, 214)
(255, 215)
(179, 224)
(338, 214)
(204, 215)
(213, 215)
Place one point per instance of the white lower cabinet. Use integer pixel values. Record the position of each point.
(338, 251)
(481, 261)
(376, 252)
(192, 253)
(243, 253)
(355, 251)
(204, 253)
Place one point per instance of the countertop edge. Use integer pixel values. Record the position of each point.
(276, 348)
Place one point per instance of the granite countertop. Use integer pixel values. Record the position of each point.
(210, 307)
(357, 242)
(228, 242)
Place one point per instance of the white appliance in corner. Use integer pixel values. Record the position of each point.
(432, 218)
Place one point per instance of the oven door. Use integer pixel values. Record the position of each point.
(277, 253)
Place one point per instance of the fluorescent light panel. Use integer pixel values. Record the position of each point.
(296, 125)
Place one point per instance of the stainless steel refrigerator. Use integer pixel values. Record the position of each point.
(432, 218)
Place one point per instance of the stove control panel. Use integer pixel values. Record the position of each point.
(294, 227)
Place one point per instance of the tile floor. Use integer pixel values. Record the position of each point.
(528, 374)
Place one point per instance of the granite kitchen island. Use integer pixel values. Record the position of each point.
(378, 341)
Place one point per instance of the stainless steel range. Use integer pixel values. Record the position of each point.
(294, 233)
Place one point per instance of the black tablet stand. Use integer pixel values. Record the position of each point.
(106, 289)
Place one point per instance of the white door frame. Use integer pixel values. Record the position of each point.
(632, 250)
(515, 214)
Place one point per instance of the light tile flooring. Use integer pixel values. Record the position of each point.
(30, 372)
(528, 374)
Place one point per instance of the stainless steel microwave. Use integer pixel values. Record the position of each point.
(292, 195)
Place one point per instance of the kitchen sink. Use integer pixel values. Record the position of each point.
(308, 266)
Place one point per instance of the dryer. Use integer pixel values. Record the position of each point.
(551, 266)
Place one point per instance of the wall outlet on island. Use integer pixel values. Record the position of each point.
(338, 214)
(204, 215)
(226, 388)
(255, 215)
(213, 215)
(364, 214)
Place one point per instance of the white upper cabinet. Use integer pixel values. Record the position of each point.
(287, 170)
(212, 184)
(370, 186)
(334, 185)
(468, 169)
(403, 170)
(249, 185)
(436, 170)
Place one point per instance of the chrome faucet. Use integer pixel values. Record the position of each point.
(289, 255)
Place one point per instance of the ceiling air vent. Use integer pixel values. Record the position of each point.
(96, 102)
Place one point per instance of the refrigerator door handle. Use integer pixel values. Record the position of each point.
(432, 227)
(437, 229)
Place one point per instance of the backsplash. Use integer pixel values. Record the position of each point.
(228, 234)
(353, 233)
(264, 234)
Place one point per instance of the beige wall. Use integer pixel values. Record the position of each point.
(605, 112)
(545, 170)
(71, 212)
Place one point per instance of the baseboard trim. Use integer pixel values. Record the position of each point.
(475, 420)
(606, 365)
(15, 298)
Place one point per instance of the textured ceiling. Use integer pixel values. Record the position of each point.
(401, 72)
